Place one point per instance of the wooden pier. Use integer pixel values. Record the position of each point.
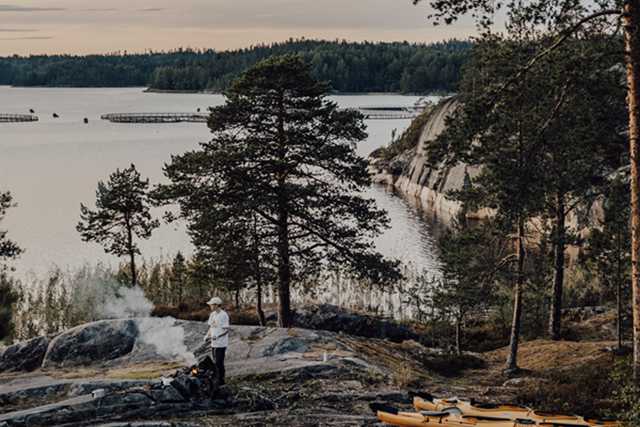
(17, 118)
(155, 117)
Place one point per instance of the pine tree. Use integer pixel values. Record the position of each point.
(609, 245)
(178, 278)
(504, 140)
(122, 214)
(469, 265)
(565, 20)
(284, 154)
(582, 142)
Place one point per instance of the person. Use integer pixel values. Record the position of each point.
(219, 334)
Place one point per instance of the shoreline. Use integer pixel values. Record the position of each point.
(212, 92)
(336, 93)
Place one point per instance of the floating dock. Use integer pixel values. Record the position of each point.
(380, 114)
(17, 118)
(155, 117)
(370, 113)
(391, 112)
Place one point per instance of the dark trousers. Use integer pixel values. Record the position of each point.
(218, 357)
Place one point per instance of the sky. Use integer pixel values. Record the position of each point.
(103, 26)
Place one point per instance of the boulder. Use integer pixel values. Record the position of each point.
(332, 318)
(91, 343)
(24, 356)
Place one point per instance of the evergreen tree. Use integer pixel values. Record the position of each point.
(566, 19)
(122, 214)
(9, 250)
(284, 154)
(504, 139)
(581, 140)
(470, 260)
(178, 278)
(609, 247)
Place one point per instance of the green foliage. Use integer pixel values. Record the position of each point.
(587, 390)
(8, 289)
(9, 296)
(122, 214)
(350, 67)
(627, 394)
(407, 141)
(471, 260)
(280, 181)
(178, 280)
(8, 248)
(62, 300)
(67, 298)
(608, 249)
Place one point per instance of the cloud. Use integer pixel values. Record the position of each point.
(27, 38)
(109, 9)
(16, 30)
(151, 9)
(16, 8)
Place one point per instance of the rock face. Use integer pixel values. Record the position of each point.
(24, 356)
(427, 183)
(267, 368)
(90, 343)
(332, 318)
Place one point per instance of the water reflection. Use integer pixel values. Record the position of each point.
(54, 165)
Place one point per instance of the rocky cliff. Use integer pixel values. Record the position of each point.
(412, 174)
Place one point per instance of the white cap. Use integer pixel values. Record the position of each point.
(214, 300)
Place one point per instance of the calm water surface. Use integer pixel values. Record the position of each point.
(54, 165)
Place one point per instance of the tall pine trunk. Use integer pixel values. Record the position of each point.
(512, 360)
(258, 274)
(132, 254)
(555, 318)
(619, 313)
(631, 20)
(458, 336)
(259, 310)
(284, 266)
(284, 272)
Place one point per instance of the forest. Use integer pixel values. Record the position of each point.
(543, 135)
(349, 67)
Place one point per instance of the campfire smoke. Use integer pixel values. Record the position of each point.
(167, 337)
(125, 302)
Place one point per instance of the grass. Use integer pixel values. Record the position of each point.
(135, 372)
(144, 372)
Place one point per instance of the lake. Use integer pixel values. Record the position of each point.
(53, 165)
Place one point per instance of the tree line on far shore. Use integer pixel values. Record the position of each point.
(347, 66)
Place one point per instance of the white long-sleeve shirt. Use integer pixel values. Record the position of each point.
(219, 325)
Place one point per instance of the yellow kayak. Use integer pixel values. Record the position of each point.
(504, 412)
(416, 419)
(507, 412)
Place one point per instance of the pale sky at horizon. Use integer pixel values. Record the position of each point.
(92, 26)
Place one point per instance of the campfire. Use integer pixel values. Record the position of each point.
(197, 381)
